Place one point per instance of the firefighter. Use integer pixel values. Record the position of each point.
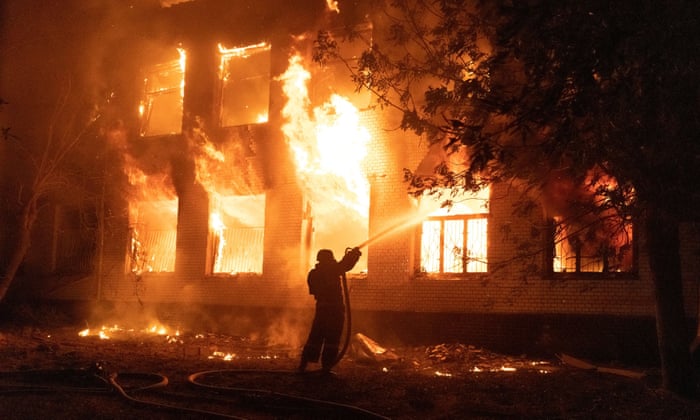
(324, 282)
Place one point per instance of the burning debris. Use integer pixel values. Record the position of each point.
(473, 359)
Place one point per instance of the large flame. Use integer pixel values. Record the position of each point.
(328, 142)
(153, 221)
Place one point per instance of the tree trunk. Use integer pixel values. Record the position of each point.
(671, 328)
(24, 235)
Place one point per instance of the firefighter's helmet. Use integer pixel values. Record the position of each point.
(325, 255)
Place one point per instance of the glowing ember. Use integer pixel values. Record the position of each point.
(439, 373)
(223, 356)
(107, 332)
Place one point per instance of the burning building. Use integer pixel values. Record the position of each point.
(239, 157)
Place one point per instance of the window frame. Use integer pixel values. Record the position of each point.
(226, 57)
(465, 261)
(151, 91)
(549, 254)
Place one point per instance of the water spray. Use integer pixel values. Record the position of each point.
(404, 223)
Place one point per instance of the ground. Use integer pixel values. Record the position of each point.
(53, 372)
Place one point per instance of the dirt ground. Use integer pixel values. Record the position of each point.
(151, 372)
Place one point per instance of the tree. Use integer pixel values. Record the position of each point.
(40, 168)
(603, 94)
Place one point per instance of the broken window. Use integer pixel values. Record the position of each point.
(237, 224)
(601, 246)
(161, 107)
(454, 238)
(153, 234)
(244, 74)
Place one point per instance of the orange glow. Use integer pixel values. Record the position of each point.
(242, 74)
(153, 222)
(107, 332)
(454, 238)
(217, 227)
(333, 5)
(183, 65)
(240, 51)
(588, 241)
(160, 109)
(329, 145)
(223, 356)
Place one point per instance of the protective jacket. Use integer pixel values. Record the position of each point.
(324, 279)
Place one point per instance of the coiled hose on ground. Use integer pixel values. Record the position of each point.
(96, 380)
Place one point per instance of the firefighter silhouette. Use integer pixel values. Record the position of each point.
(324, 282)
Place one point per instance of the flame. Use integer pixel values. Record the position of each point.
(107, 332)
(223, 356)
(226, 54)
(217, 227)
(328, 144)
(238, 52)
(333, 6)
(183, 63)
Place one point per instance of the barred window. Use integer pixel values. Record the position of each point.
(237, 225)
(602, 246)
(454, 238)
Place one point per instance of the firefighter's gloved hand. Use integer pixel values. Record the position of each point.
(356, 252)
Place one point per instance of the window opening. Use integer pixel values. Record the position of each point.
(153, 234)
(237, 225)
(162, 105)
(454, 239)
(244, 74)
(605, 246)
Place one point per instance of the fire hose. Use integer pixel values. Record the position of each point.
(346, 292)
(96, 380)
(348, 312)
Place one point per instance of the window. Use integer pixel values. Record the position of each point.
(161, 108)
(601, 246)
(244, 75)
(153, 234)
(237, 224)
(454, 239)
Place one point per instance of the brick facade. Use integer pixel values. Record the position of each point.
(391, 286)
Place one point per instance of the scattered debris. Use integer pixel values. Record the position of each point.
(364, 348)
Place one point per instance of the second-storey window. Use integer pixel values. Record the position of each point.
(244, 74)
(160, 110)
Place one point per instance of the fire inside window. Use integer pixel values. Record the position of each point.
(454, 239)
(237, 224)
(244, 74)
(153, 234)
(161, 108)
(605, 246)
